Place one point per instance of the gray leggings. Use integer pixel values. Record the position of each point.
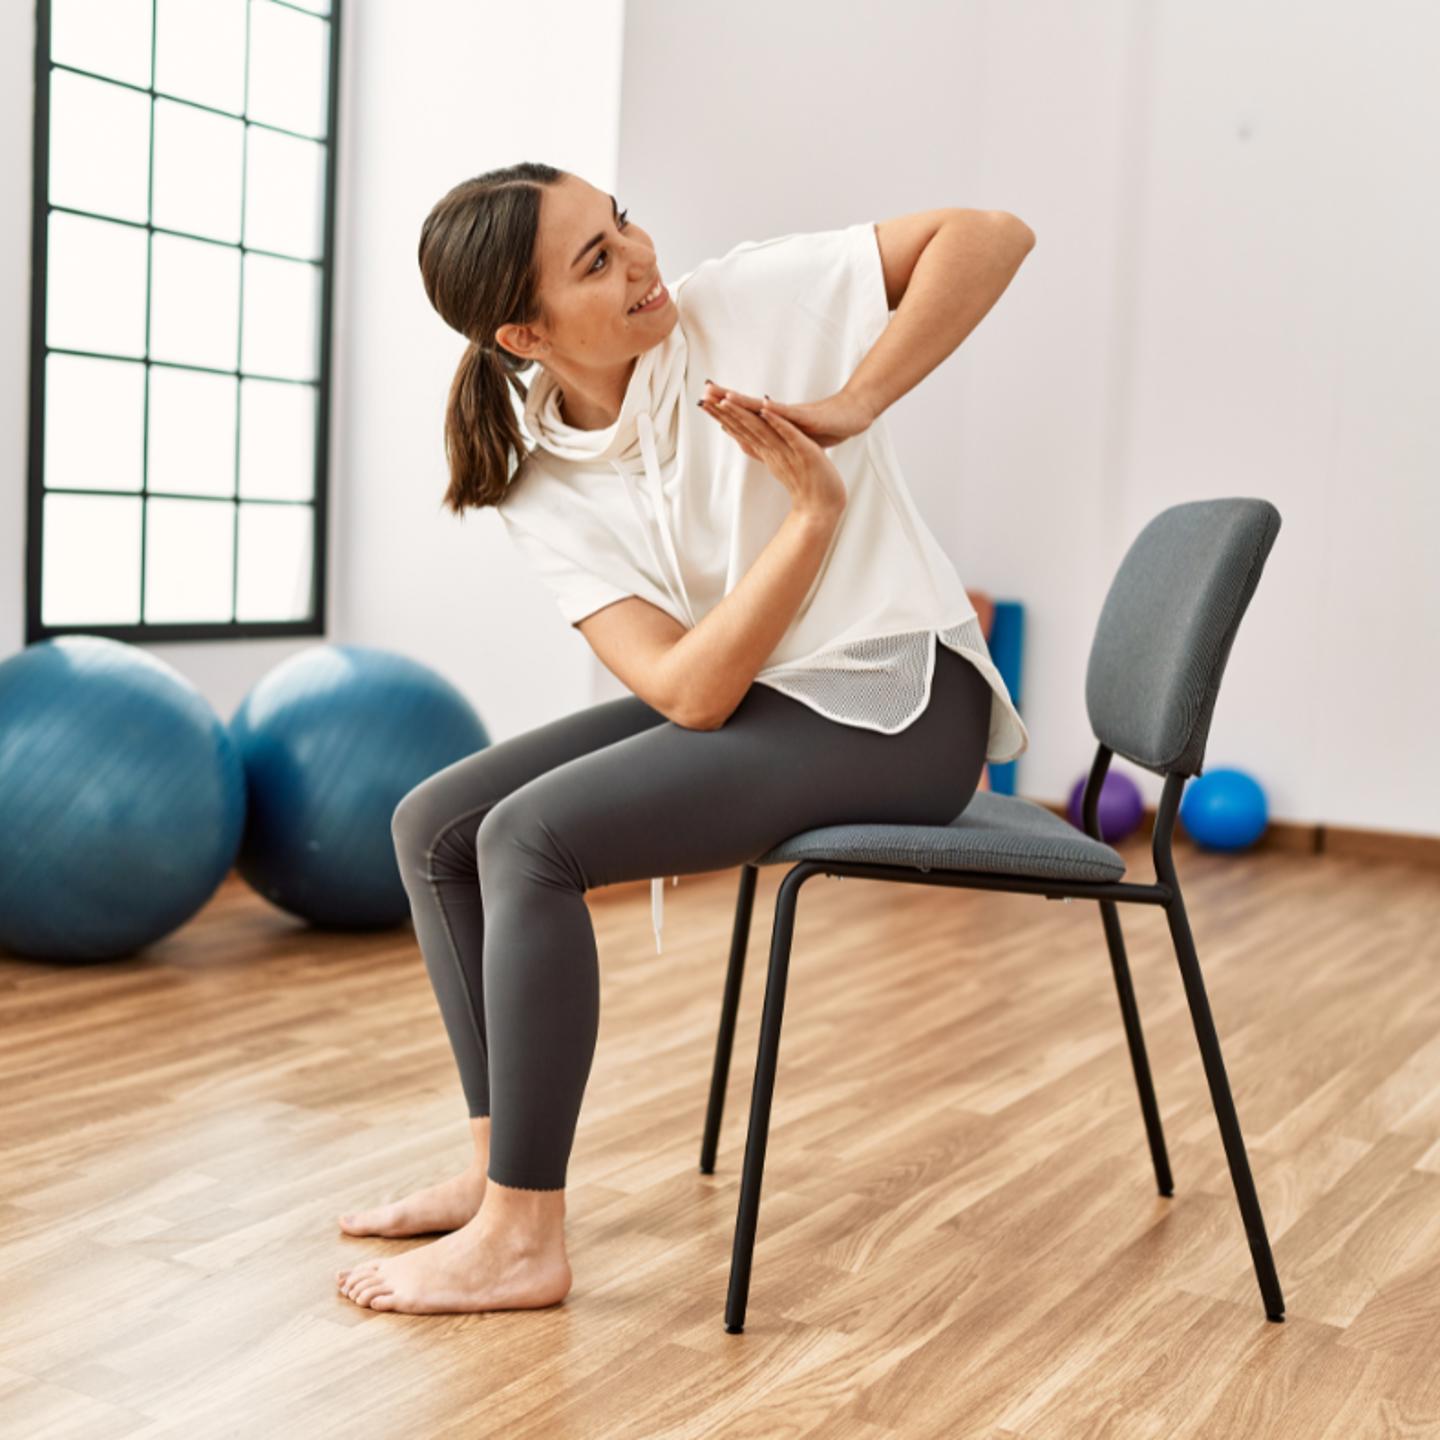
(498, 849)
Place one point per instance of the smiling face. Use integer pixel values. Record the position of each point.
(595, 264)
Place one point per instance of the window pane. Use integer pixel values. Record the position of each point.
(277, 440)
(192, 432)
(94, 285)
(282, 318)
(111, 37)
(229, 158)
(289, 68)
(94, 423)
(91, 562)
(194, 302)
(198, 161)
(200, 51)
(99, 146)
(275, 562)
(285, 194)
(189, 560)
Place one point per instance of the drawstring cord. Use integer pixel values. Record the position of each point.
(681, 602)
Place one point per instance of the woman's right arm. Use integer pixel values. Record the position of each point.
(698, 676)
(713, 665)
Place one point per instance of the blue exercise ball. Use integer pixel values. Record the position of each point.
(332, 740)
(122, 796)
(1224, 810)
(1118, 811)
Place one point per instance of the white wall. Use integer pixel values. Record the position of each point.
(1286, 342)
(17, 127)
(1231, 294)
(451, 89)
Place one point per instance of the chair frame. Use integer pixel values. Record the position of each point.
(1165, 892)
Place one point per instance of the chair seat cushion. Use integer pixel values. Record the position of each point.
(998, 833)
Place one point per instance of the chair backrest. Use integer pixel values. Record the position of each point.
(1167, 625)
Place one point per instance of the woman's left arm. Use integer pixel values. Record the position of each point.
(962, 271)
(947, 285)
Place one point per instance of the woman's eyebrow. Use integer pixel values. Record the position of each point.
(595, 239)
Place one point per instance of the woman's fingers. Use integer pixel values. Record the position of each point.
(742, 424)
(731, 430)
(716, 392)
(788, 432)
(781, 430)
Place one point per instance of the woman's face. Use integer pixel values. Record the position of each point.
(595, 265)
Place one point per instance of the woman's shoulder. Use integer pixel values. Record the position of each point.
(529, 492)
(755, 291)
(783, 263)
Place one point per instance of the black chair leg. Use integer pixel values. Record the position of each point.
(1225, 1109)
(730, 1006)
(761, 1095)
(1109, 915)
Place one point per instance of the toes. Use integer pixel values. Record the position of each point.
(357, 1287)
(368, 1289)
(383, 1300)
(349, 1279)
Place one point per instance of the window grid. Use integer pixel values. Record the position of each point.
(314, 624)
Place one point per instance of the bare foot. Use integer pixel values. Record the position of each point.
(478, 1267)
(446, 1206)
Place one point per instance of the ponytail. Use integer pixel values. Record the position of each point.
(477, 262)
(484, 443)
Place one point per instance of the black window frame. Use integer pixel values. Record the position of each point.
(159, 632)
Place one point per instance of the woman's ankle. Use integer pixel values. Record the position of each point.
(528, 1219)
(480, 1135)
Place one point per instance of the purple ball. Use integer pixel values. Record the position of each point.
(1120, 809)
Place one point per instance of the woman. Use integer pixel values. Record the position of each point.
(756, 574)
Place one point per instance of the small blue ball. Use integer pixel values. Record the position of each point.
(1224, 810)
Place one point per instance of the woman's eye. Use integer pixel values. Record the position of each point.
(621, 222)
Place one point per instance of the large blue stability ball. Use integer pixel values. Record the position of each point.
(1118, 811)
(332, 740)
(122, 799)
(1224, 810)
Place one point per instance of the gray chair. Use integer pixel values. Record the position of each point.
(1160, 648)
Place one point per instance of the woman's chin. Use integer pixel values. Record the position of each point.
(663, 322)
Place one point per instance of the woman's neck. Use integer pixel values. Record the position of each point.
(596, 405)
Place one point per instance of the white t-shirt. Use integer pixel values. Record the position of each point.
(665, 505)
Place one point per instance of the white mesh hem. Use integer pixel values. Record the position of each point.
(841, 684)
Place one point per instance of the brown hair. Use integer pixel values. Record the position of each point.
(477, 261)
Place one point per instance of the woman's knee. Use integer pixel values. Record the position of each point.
(514, 832)
(423, 818)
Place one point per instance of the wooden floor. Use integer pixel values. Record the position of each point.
(959, 1232)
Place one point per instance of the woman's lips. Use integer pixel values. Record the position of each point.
(655, 304)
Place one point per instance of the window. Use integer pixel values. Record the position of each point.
(180, 317)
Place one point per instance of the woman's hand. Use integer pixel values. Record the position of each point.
(785, 450)
(827, 422)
